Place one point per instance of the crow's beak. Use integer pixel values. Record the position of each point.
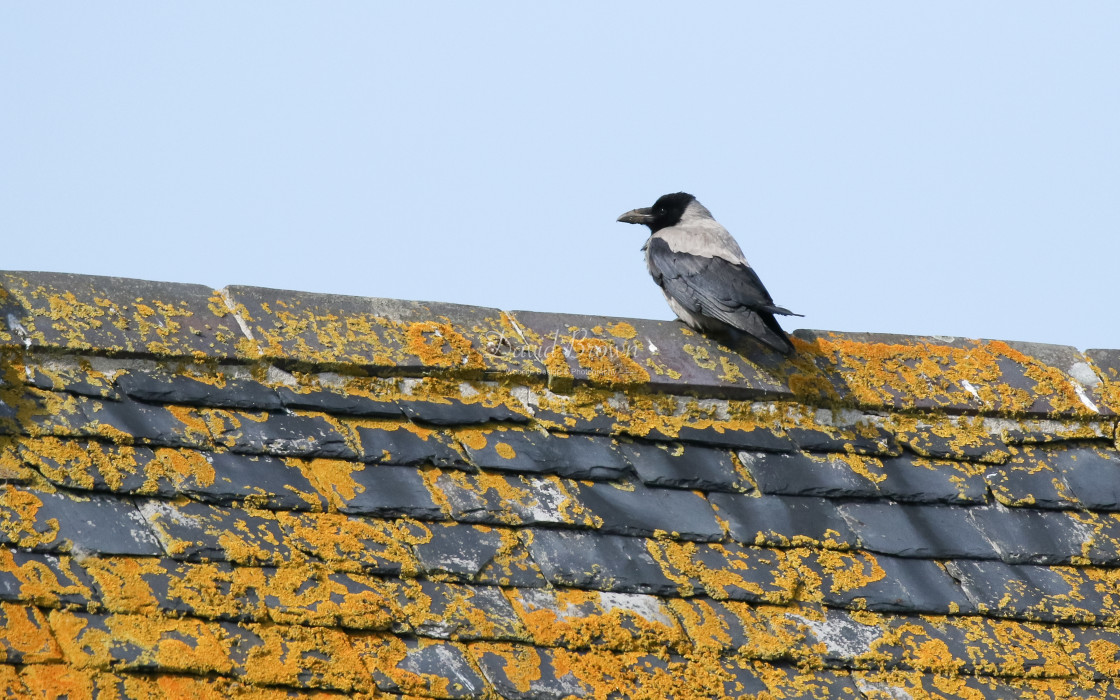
(637, 216)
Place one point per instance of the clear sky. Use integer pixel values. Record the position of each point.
(948, 168)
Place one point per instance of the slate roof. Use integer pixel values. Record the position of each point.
(260, 493)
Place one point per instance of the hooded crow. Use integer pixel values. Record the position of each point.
(708, 283)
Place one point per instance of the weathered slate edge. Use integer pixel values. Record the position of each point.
(128, 317)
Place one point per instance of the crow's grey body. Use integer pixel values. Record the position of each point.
(705, 277)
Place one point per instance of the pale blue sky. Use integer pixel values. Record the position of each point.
(947, 168)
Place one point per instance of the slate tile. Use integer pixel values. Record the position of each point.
(389, 443)
(738, 438)
(949, 375)
(425, 667)
(787, 681)
(280, 434)
(223, 388)
(953, 438)
(155, 425)
(153, 585)
(783, 520)
(295, 656)
(636, 510)
(44, 579)
(909, 478)
(116, 315)
(456, 611)
(376, 334)
(200, 532)
(862, 581)
(578, 619)
(599, 562)
(1039, 593)
(258, 481)
(681, 466)
(898, 684)
(522, 672)
(800, 474)
(746, 630)
(45, 521)
(388, 491)
(141, 642)
(55, 373)
(536, 673)
(477, 553)
(1026, 536)
(25, 636)
(449, 411)
(740, 680)
(975, 645)
(337, 401)
(125, 421)
(537, 452)
(98, 466)
(1091, 473)
(841, 639)
(926, 531)
(504, 499)
(1094, 648)
(352, 543)
(728, 570)
(844, 431)
(312, 595)
(663, 356)
(1029, 478)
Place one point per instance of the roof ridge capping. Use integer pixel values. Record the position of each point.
(113, 316)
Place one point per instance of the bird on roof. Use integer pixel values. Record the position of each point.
(708, 283)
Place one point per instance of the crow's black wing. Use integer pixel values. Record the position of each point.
(718, 289)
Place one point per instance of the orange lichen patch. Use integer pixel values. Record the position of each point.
(333, 478)
(870, 468)
(323, 338)
(580, 619)
(841, 572)
(547, 498)
(18, 513)
(139, 641)
(305, 656)
(454, 611)
(60, 681)
(313, 595)
(58, 413)
(10, 684)
(505, 451)
(24, 635)
(602, 362)
(984, 375)
(383, 655)
(607, 675)
(351, 544)
(522, 664)
(42, 585)
(440, 345)
(622, 330)
(11, 465)
(473, 438)
(763, 573)
(199, 425)
(748, 630)
(179, 467)
(953, 436)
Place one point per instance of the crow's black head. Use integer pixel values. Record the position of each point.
(665, 212)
